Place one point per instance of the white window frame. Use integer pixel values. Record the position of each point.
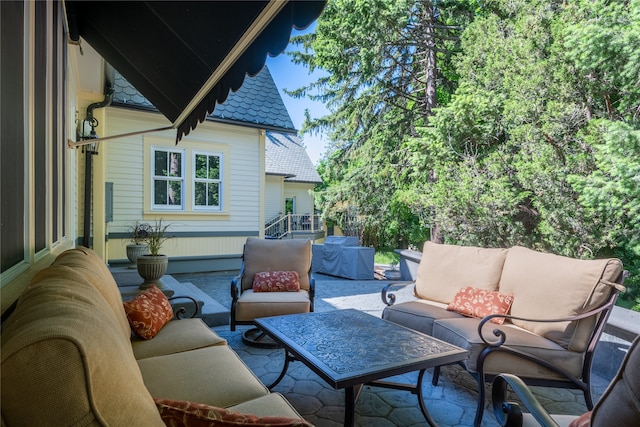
(154, 178)
(218, 181)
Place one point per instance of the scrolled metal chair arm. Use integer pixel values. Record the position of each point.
(181, 311)
(388, 298)
(235, 287)
(312, 291)
(501, 335)
(509, 414)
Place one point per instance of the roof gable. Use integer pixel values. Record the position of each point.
(285, 155)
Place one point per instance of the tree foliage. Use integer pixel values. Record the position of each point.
(388, 66)
(533, 137)
(539, 145)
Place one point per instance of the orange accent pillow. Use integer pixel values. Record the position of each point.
(276, 281)
(583, 420)
(479, 303)
(178, 413)
(148, 312)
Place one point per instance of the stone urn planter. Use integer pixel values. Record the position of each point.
(151, 268)
(392, 275)
(134, 251)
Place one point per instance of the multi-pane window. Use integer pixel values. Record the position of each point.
(168, 179)
(207, 181)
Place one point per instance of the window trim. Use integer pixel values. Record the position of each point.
(153, 177)
(219, 181)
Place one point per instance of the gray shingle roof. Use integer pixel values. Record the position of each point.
(285, 155)
(257, 103)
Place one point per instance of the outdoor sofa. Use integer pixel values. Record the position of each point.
(554, 310)
(68, 358)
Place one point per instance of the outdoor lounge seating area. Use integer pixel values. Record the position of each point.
(518, 311)
(300, 393)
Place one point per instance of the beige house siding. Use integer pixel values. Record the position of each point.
(198, 233)
(301, 191)
(274, 201)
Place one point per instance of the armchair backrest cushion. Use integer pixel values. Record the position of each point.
(547, 286)
(276, 255)
(445, 269)
(620, 403)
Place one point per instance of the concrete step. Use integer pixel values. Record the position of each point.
(211, 311)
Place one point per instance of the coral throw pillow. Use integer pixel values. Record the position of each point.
(583, 420)
(177, 413)
(148, 312)
(476, 302)
(276, 281)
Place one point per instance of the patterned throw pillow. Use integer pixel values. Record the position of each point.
(583, 420)
(479, 303)
(276, 281)
(148, 312)
(177, 413)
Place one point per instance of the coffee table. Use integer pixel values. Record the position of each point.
(350, 348)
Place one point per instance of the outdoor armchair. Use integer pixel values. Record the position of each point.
(264, 287)
(618, 406)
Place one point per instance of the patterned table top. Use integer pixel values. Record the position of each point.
(348, 347)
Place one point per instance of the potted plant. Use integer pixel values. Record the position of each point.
(393, 273)
(153, 265)
(138, 246)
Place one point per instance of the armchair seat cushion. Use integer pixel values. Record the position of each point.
(175, 337)
(252, 305)
(464, 333)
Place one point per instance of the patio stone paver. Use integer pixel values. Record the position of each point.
(451, 403)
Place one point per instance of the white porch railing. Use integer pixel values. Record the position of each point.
(284, 226)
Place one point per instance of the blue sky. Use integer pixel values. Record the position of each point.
(290, 76)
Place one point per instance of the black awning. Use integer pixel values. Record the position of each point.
(184, 56)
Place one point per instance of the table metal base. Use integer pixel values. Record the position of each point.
(352, 393)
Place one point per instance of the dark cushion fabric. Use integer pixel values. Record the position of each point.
(620, 403)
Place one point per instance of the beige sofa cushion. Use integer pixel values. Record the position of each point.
(86, 262)
(271, 405)
(213, 375)
(419, 314)
(463, 333)
(276, 255)
(547, 286)
(175, 337)
(65, 360)
(445, 269)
